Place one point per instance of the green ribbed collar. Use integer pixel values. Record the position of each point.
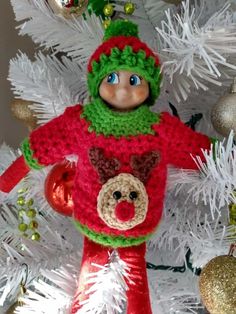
(108, 122)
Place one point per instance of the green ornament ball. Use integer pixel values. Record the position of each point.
(30, 202)
(31, 213)
(22, 227)
(35, 236)
(108, 10)
(129, 8)
(21, 213)
(33, 224)
(21, 201)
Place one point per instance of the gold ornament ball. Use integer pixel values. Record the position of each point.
(217, 285)
(232, 214)
(108, 10)
(223, 114)
(21, 111)
(129, 8)
(58, 7)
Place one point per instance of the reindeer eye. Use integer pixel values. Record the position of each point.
(133, 195)
(117, 195)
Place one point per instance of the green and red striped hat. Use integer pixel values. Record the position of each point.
(123, 50)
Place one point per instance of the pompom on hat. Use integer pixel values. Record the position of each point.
(123, 50)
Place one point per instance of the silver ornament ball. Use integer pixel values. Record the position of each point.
(223, 114)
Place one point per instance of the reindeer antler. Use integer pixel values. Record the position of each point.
(105, 167)
(142, 165)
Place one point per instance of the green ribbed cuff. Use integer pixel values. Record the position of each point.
(28, 155)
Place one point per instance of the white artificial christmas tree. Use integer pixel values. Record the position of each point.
(196, 41)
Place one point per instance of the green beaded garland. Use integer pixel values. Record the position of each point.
(30, 202)
(22, 227)
(31, 213)
(21, 213)
(21, 201)
(35, 236)
(26, 215)
(33, 224)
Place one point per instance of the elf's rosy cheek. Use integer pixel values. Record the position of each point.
(140, 93)
(107, 91)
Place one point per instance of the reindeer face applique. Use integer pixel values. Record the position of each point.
(122, 202)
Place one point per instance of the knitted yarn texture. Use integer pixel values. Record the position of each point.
(170, 142)
(123, 50)
(107, 122)
(120, 179)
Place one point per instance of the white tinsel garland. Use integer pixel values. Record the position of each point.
(77, 37)
(107, 293)
(54, 291)
(50, 83)
(148, 14)
(193, 53)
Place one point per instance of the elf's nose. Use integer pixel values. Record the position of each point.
(123, 92)
(124, 211)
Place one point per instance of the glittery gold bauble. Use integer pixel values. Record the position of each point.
(108, 10)
(218, 285)
(68, 8)
(223, 114)
(21, 111)
(129, 8)
(232, 214)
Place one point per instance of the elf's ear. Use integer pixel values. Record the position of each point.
(142, 165)
(105, 167)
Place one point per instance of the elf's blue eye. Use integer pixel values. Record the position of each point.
(113, 78)
(135, 80)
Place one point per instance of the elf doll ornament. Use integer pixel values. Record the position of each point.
(124, 150)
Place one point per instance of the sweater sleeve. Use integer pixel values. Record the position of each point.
(182, 142)
(53, 141)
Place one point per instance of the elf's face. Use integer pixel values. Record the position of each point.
(124, 90)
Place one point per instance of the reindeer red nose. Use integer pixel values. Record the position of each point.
(125, 211)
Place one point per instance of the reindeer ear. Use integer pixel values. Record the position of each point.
(105, 167)
(142, 165)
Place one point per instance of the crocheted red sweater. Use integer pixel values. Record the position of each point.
(138, 163)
